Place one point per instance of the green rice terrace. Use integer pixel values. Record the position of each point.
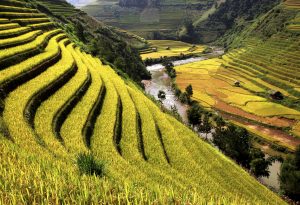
(145, 18)
(75, 130)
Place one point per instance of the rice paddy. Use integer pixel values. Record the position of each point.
(60, 103)
(214, 85)
(169, 48)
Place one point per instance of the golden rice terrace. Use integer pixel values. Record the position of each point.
(59, 102)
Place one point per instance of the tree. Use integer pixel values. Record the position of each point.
(184, 98)
(169, 66)
(259, 165)
(189, 90)
(194, 114)
(161, 95)
(205, 126)
(219, 122)
(290, 176)
(80, 31)
(234, 142)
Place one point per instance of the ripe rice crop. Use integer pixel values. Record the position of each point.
(9, 75)
(12, 15)
(13, 32)
(20, 39)
(41, 25)
(9, 26)
(14, 51)
(16, 9)
(31, 20)
(50, 111)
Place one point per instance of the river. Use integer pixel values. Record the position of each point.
(81, 3)
(161, 81)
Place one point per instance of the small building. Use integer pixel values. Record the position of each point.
(237, 83)
(276, 95)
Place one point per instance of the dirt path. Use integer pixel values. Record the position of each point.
(277, 136)
(274, 121)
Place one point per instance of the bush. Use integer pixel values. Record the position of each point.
(89, 166)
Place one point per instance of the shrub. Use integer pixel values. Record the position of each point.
(87, 165)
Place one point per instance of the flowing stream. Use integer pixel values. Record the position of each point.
(161, 81)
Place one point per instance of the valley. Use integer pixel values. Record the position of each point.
(149, 102)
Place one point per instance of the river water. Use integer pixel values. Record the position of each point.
(81, 3)
(161, 81)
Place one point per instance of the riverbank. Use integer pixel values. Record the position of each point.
(161, 81)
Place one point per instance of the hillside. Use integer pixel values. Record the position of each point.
(229, 15)
(149, 18)
(74, 131)
(113, 45)
(262, 58)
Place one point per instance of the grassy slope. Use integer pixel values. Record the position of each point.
(50, 85)
(111, 44)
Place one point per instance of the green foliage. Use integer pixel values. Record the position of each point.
(169, 68)
(234, 142)
(119, 53)
(194, 114)
(189, 90)
(259, 165)
(161, 95)
(88, 165)
(205, 126)
(232, 17)
(189, 35)
(290, 176)
(184, 98)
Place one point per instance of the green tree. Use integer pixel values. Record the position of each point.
(184, 98)
(290, 176)
(259, 165)
(194, 114)
(205, 126)
(234, 142)
(169, 66)
(189, 90)
(219, 122)
(161, 95)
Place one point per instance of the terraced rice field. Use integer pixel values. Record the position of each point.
(260, 68)
(169, 48)
(214, 81)
(143, 21)
(60, 8)
(294, 4)
(59, 102)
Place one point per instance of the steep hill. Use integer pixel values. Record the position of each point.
(66, 115)
(230, 14)
(263, 58)
(147, 18)
(111, 44)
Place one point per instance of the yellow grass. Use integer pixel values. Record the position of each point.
(175, 49)
(240, 99)
(268, 109)
(19, 39)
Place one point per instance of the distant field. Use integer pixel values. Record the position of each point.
(295, 4)
(168, 48)
(167, 17)
(214, 87)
